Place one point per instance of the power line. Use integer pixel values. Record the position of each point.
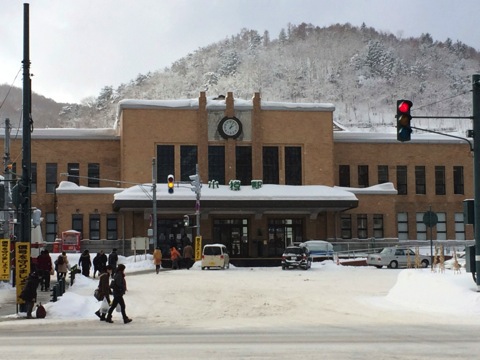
(10, 88)
(449, 98)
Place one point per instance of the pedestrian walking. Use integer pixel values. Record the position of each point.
(98, 263)
(188, 256)
(175, 257)
(62, 265)
(85, 263)
(44, 267)
(112, 260)
(104, 289)
(157, 259)
(119, 287)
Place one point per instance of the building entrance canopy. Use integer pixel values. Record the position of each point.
(268, 199)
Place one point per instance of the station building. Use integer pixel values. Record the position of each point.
(273, 174)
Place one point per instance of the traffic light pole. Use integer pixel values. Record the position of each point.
(476, 174)
(154, 207)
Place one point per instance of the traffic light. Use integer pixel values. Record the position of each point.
(186, 221)
(19, 194)
(403, 120)
(196, 184)
(171, 183)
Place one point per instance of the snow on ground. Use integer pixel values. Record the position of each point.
(270, 297)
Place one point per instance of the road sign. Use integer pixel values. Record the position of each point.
(430, 219)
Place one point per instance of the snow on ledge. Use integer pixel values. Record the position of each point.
(380, 189)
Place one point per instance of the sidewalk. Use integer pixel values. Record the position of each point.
(10, 306)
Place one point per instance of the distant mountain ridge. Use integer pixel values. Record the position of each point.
(358, 69)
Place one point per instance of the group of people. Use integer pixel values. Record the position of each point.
(100, 262)
(178, 260)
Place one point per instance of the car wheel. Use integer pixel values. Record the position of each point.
(424, 263)
(283, 267)
(378, 266)
(393, 265)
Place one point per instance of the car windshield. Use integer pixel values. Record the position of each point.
(294, 250)
(212, 250)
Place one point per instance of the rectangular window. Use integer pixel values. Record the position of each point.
(402, 180)
(362, 226)
(112, 226)
(165, 162)
(459, 226)
(73, 170)
(439, 180)
(93, 175)
(421, 227)
(441, 226)
(363, 176)
(216, 164)
(458, 180)
(378, 226)
(346, 226)
(51, 177)
(34, 178)
(94, 226)
(77, 222)
(344, 175)
(402, 224)
(50, 227)
(270, 165)
(243, 155)
(420, 180)
(188, 161)
(293, 165)
(382, 174)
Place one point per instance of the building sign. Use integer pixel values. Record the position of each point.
(4, 259)
(22, 267)
(198, 248)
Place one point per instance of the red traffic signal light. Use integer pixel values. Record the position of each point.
(171, 183)
(403, 120)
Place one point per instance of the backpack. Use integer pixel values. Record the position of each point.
(41, 312)
(61, 260)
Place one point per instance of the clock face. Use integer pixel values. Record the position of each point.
(230, 127)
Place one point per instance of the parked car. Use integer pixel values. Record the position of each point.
(215, 255)
(394, 257)
(460, 258)
(319, 248)
(296, 257)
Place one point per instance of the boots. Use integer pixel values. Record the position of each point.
(126, 320)
(109, 319)
(102, 317)
(98, 314)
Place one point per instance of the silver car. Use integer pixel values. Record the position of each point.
(394, 258)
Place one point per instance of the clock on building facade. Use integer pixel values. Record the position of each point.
(230, 127)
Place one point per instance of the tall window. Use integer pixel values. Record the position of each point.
(293, 165)
(93, 175)
(420, 180)
(382, 174)
(94, 226)
(439, 180)
(51, 227)
(459, 226)
(51, 177)
(282, 233)
(165, 162)
(458, 180)
(402, 180)
(270, 165)
(216, 164)
(421, 227)
(378, 226)
(188, 161)
(34, 178)
(73, 173)
(402, 226)
(346, 226)
(77, 222)
(244, 164)
(363, 176)
(362, 226)
(112, 227)
(441, 226)
(344, 175)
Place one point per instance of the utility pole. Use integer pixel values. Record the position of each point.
(7, 177)
(476, 173)
(154, 199)
(25, 181)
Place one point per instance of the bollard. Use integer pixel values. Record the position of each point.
(54, 293)
(61, 285)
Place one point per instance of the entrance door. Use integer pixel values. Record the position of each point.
(233, 233)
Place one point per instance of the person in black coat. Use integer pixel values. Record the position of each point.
(119, 287)
(29, 293)
(103, 261)
(85, 263)
(112, 260)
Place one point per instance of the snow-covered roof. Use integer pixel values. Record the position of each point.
(379, 189)
(67, 187)
(68, 133)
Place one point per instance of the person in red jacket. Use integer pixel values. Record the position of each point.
(175, 257)
(44, 267)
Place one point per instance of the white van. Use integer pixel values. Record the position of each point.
(215, 255)
(319, 248)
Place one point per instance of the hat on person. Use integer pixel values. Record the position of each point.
(121, 267)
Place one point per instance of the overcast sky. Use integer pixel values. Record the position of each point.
(78, 47)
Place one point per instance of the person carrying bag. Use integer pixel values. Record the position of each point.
(104, 293)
